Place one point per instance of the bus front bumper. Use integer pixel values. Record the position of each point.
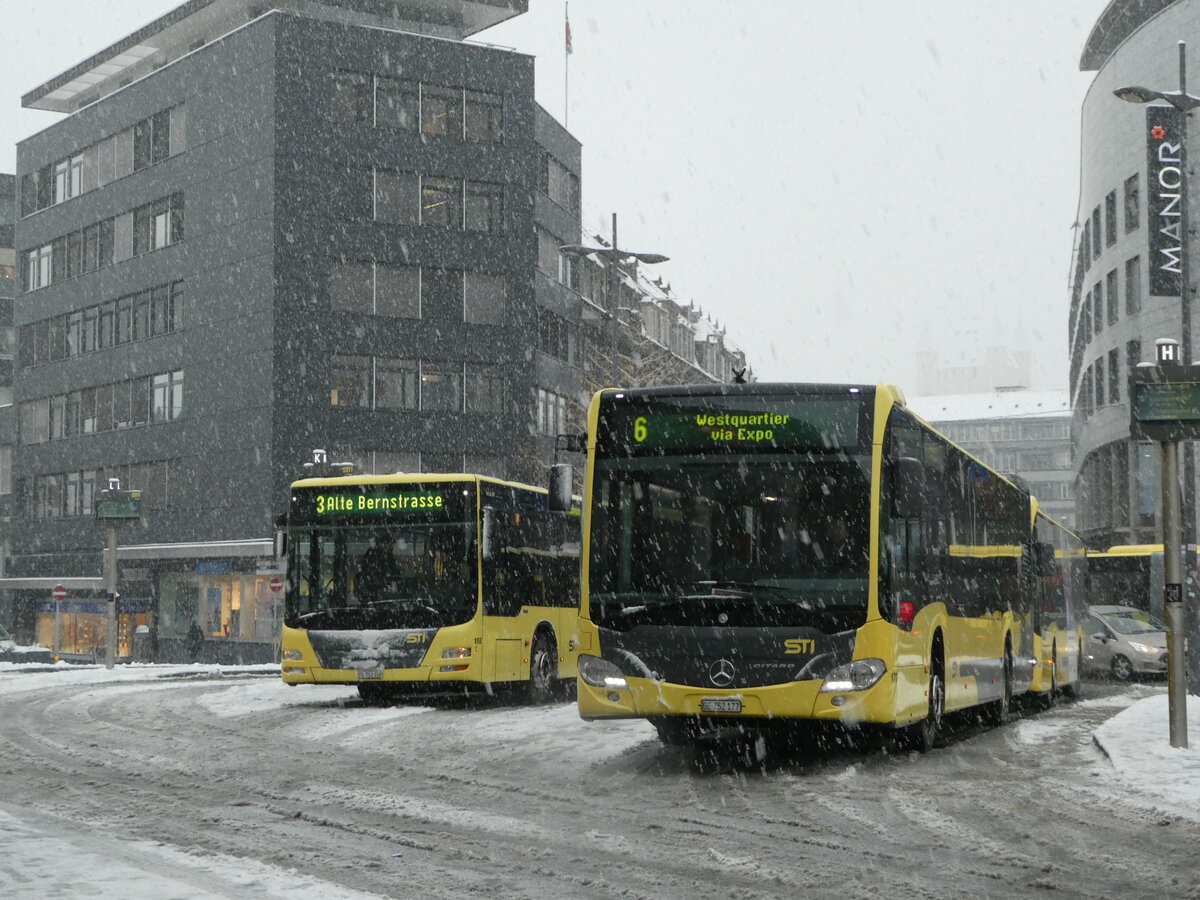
(801, 700)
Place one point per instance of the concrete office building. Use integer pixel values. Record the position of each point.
(1114, 318)
(262, 229)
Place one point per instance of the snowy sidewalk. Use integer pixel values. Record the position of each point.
(1137, 741)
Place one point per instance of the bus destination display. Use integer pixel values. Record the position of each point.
(378, 504)
(815, 423)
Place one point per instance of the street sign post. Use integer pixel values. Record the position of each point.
(276, 584)
(1165, 407)
(114, 506)
(59, 594)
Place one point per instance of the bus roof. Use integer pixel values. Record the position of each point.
(410, 478)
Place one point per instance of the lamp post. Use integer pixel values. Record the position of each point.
(612, 255)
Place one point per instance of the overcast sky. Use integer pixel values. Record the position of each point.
(839, 184)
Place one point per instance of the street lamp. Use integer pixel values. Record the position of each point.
(612, 255)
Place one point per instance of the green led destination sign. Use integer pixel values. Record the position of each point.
(707, 424)
(343, 504)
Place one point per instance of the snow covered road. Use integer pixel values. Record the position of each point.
(212, 784)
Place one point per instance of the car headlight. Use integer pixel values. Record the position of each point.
(856, 676)
(601, 673)
(1146, 648)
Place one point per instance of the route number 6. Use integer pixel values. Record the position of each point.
(639, 429)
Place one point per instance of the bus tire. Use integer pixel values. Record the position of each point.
(1000, 711)
(543, 668)
(1074, 690)
(374, 694)
(675, 731)
(925, 735)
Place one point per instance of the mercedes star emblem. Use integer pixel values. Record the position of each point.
(721, 673)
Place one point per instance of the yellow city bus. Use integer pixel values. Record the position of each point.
(430, 583)
(762, 553)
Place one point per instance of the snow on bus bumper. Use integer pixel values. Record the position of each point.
(795, 700)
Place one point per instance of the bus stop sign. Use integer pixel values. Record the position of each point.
(1165, 402)
(119, 505)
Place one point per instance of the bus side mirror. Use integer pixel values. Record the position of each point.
(489, 532)
(280, 537)
(561, 478)
(908, 488)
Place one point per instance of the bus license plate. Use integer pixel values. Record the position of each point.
(721, 704)
(370, 674)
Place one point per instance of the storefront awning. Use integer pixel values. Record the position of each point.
(199, 550)
(36, 584)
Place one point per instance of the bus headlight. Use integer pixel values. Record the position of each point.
(601, 673)
(456, 653)
(292, 655)
(856, 676)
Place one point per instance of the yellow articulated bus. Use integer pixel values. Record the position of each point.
(430, 583)
(756, 554)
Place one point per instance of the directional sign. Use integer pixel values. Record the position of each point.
(59, 593)
(118, 505)
(276, 584)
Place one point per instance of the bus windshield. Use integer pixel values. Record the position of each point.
(403, 563)
(786, 533)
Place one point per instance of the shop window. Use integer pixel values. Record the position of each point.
(441, 387)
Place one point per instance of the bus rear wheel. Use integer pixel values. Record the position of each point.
(543, 668)
(1001, 710)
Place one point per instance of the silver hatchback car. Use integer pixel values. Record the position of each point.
(1125, 642)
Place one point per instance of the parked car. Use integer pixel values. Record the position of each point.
(11, 651)
(1124, 642)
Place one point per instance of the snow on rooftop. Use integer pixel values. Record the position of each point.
(993, 405)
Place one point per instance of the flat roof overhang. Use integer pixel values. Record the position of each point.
(1120, 19)
(198, 22)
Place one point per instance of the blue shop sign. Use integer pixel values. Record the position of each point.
(212, 567)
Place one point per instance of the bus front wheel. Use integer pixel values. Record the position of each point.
(543, 668)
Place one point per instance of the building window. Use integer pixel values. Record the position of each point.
(351, 102)
(396, 197)
(1114, 376)
(441, 386)
(442, 294)
(441, 202)
(396, 384)
(5, 469)
(554, 335)
(152, 140)
(551, 414)
(1098, 307)
(441, 462)
(350, 381)
(486, 298)
(548, 255)
(1133, 285)
(1114, 297)
(485, 207)
(158, 224)
(352, 286)
(1085, 246)
(485, 388)
(1096, 233)
(1133, 210)
(166, 396)
(484, 116)
(441, 111)
(396, 103)
(1099, 382)
(1110, 219)
(397, 291)
(68, 179)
